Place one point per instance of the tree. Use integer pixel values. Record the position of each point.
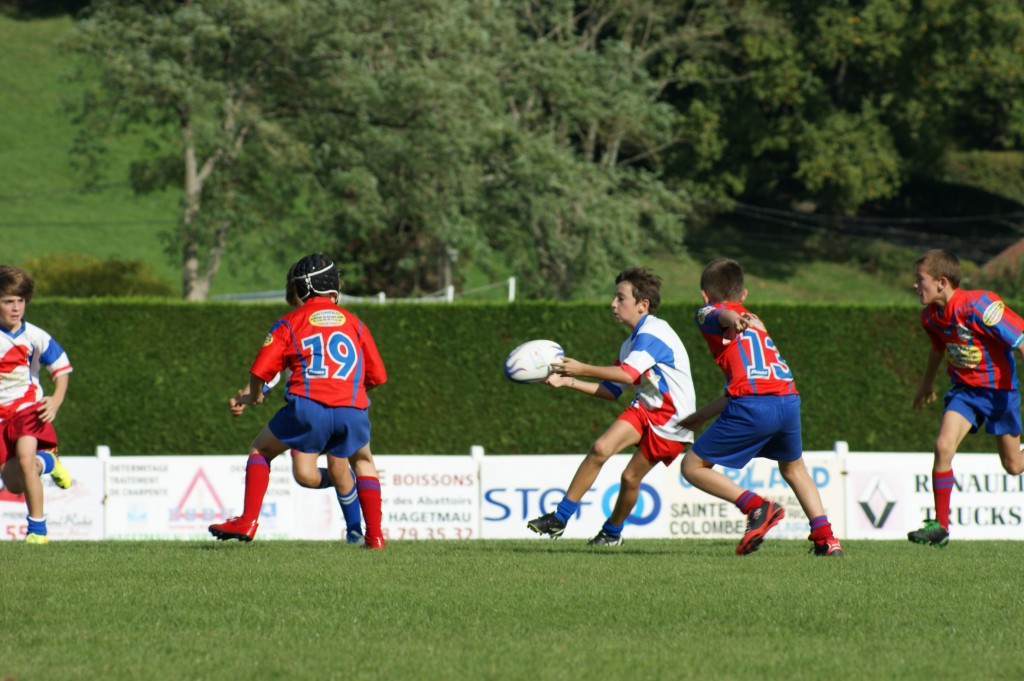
(487, 132)
(209, 86)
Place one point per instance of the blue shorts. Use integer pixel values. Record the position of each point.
(308, 426)
(999, 410)
(754, 425)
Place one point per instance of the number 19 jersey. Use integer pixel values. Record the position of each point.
(750, 360)
(329, 351)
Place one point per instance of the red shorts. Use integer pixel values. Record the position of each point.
(654, 448)
(21, 424)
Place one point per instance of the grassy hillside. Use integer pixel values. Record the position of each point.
(43, 210)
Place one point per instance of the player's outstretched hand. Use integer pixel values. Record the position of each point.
(238, 402)
(567, 367)
(923, 396)
(558, 381)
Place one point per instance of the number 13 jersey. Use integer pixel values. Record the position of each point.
(329, 351)
(749, 360)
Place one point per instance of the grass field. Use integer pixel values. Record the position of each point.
(652, 609)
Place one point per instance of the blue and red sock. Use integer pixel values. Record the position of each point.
(748, 501)
(257, 480)
(942, 490)
(821, 528)
(368, 489)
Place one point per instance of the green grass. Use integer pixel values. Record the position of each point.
(653, 609)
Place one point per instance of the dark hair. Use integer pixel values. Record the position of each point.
(15, 281)
(938, 263)
(646, 285)
(314, 275)
(722, 280)
(289, 288)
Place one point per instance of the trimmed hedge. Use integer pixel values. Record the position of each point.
(154, 377)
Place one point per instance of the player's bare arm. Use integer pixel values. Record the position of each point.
(571, 367)
(256, 394)
(587, 387)
(926, 390)
(709, 410)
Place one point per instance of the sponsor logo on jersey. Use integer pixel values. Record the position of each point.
(963, 333)
(993, 313)
(268, 340)
(327, 318)
(703, 313)
(963, 356)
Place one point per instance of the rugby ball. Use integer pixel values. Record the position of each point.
(531, 361)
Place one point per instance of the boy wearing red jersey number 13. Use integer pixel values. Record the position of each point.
(760, 414)
(333, 362)
(977, 334)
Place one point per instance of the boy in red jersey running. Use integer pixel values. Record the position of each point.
(333, 362)
(760, 414)
(26, 415)
(304, 464)
(977, 334)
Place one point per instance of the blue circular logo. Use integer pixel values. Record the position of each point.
(637, 516)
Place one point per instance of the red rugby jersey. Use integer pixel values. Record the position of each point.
(329, 351)
(978, 335)
(750, 361)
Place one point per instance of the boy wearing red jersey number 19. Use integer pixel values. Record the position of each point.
(977, 334)
(333, 362)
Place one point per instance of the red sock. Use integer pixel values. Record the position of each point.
(748, 501)
(942, 489)
(368, 488)
(257, 480)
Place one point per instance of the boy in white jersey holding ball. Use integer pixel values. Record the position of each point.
(26, 415)
(653, 361)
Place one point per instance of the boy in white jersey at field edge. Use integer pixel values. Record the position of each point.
(28, 442)
(653, 361)
(759, 415)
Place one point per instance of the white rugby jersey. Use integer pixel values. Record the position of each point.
(22, 353)
(656, 359)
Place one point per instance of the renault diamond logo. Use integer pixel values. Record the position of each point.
(877, 494)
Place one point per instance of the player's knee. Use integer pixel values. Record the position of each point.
(308, 479)
(600, 452)
(945, 447)
(1014, 467)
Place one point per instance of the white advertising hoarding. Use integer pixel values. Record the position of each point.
(866, 496)
(178, 497)
(891, 493)
(75, 513)
(516, 489)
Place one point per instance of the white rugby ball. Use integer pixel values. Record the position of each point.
(531, 361)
